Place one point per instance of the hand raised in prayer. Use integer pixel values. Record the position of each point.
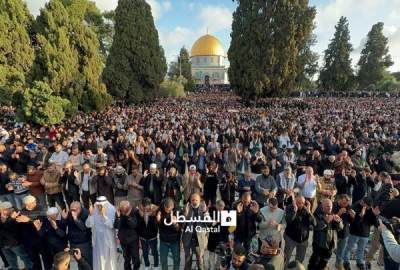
(158, 217)
(38, 224)
(64, 214)
(52, 223)
(308, 207)
(254, 207)
(91, 210)
(15, 214)
(103, 211)
(239, 207)
(22, 219)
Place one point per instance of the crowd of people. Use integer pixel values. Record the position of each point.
(311, 174)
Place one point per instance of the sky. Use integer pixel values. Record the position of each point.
(181, 22)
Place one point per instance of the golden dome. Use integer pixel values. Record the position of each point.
(207, 45)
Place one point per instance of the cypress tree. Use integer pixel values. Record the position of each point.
(94, 95)
(182, 67)
(337, 73)
(375, 57)
(56, 60)
(136, 65)
(267, 36)
(69, 60)
(16, 52)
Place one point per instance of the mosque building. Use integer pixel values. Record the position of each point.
(208, 61)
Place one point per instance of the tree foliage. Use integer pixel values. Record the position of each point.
(69, 60)
(136, 65)
(267, 37)
(174, 87)
(16, 52)
(375, 57)
(40, 105)
(182, 67)
(307, 65)
(337, 73)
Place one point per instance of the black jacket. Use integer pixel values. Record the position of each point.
(346, 218)
(127, 226)
(361, 226)
(246, 224)
(56, 240)
(360, 186)
(156, 194)
(324, 232)
(78, 233)
(150, 230)
(9, 233)
(68, 180)
(170, 233)
(4, 180)
(298, 224)
(105, 187)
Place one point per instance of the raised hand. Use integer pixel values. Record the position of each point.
(308, 206)
(91, 210)
(254, 207)
(239, 207)
(64, 214)
(22, 219)
(38, 224)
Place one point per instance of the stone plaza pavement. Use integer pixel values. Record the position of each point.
(308, 254)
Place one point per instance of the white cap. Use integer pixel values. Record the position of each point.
(328, 172)
(153, 166)
(5, 205)
(52, 211)
(29, 199)
(101, 200)
(192, 167)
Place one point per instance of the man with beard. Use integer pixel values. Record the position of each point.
(324, 235)
(70, 180)
(194, 240)
(101, 221)
(104, 184)
(10, 243)
(31, 218)
(151, 183)
(247, 216)
(298, 219)
(121, 184)
(265, 187)
(51, 182)
(238, 259)
(78, 235)
(127, 225)
(342, 208)
(170, 234)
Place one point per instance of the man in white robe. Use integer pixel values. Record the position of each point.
(101, 221)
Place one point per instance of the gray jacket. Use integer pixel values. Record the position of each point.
(264, 183)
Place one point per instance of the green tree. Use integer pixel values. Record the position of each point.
(337, 73)
(69, 59)
(174, 87)
(40, 105)
(136, 65)
(16, 52)
(375, 57)
(266, 39)
(307, 65)
(182, 67)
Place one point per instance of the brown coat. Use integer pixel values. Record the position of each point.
(36, 187)
(51, 182)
